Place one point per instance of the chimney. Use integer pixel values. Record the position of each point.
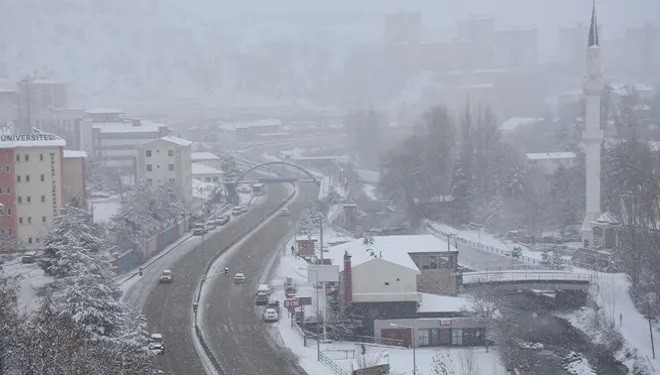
(347, 281)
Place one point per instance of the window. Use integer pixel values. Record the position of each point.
(29, 219)
(387, 283)
(171, 167)
(20, 200)
(27, 157)
(0, 189)
(8, 169)
(9, 212)
(41, 157)
(2, 211)
(172, 180)
(42, 178)
(20, 220)
(43, 199)
(215, 179)
(28, 199)
(38, 239)
(18, 178)
(18, 157)
(43, 219)
(8, 189)
(149, 168)
(208, 179)
(148, 153)
(27, 178)
(170, 152)
(29, 239)
(149, 180)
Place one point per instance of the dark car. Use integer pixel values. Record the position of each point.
(28, 259)
(274, 305)
(262, 299)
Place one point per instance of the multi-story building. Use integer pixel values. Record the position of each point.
(74, 175)
(8, 106)
(36, 96)
(166, 159)
(207, 158)
(75, 126)
(32, 189)
(203, 172)
(114, 142)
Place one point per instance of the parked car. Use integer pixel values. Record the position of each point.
(262, 299)
(156, 343)
(199, 229)
(221, 220)
(28, 259)
(244, 208)
(263, 289)
(286, 212)
(274, 305)
(210, 224)
(236, 210)
(270, 315)
(239, 278)
(166, 276)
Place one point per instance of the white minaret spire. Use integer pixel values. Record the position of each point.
(592, 136)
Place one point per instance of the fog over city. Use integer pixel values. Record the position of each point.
(420, 187)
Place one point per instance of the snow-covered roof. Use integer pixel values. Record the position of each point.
(177, 140)
(550, 155)
(74, 154)
(514, 122)
(128, 127)
(395, 249)
(105, 111)
(607, 218)
(250, 124)
(204, 156)
(436, 303)
(199, 168)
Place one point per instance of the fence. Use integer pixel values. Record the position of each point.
(484, 277)
(152, 246)
(335, 368)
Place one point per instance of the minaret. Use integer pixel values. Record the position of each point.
(592, 136)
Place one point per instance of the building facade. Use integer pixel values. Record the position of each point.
(203, 172)
(74, 175)
(207, 158)
(166, 159)
(549, 162)
(32, 185)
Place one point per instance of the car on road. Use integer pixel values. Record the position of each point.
(274, 305)
(286, 212)
(239, 278)
(199, 229)
(236, 210)
(262, 299)
(210, 224)
(166, 276)
(28, 259)
(156, 343)
(244, 208)
(270, 315)
(221, 220)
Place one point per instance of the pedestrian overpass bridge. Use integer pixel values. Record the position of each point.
(527, 280)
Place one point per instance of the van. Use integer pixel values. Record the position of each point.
(263, 289)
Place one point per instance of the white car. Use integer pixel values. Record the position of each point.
(166, 276)
(237, 210)
(270, 315)
(239, 278)
(156, 343)
(210, 225)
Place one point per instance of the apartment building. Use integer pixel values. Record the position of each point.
(166, 159)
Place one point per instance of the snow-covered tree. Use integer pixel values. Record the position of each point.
(72, 229)
(496, 220)
(462, 194)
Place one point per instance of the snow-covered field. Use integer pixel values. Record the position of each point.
(31, 280)
(105, 208)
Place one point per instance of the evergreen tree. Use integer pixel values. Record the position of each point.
(495, 221)
(73, 229)
(462, 194)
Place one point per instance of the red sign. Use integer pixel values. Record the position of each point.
(445, 322)
(292, 302)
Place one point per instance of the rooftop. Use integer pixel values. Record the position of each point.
(37, 139)
(95, 111)
(199, 168)
(204, 156)
(128, 127)
(250, 124)
(551, 155)
(514, 122)
(74, 154)
(177, 140)
(395, 249)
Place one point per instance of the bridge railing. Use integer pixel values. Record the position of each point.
(492, 277)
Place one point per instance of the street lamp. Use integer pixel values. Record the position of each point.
(650, 297)
(412, 333)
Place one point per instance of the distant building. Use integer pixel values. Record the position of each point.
(403, 27)
(207, 158)
(73, 167)
(202, 172)
(33, 184)
(43, 95)
(114, 142)
(75, 126)
(513, 130)
(244, 131)
(549, 162)
(166, 159)
(8, 107)
(517, 48)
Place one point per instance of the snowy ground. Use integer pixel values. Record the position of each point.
(105, 208)
(31, 281)
(399, 359)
